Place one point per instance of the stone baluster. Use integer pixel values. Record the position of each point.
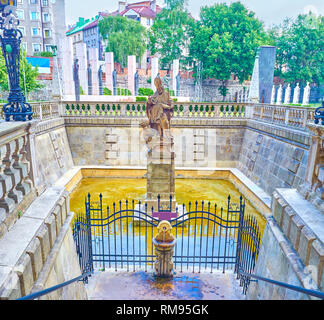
(7, 202)
(22, 164)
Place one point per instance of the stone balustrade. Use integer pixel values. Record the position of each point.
(138, 110)
(296, 117)
(42, 110)
(16, 187)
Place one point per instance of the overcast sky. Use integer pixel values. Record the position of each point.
(269, 11)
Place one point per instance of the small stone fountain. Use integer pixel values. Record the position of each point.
(164, 244)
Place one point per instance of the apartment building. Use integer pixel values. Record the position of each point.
(42, 23)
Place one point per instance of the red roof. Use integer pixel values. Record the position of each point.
(143, 9)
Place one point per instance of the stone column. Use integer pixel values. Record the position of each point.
(306, 95)
(109, 58)
(279, 96)
(67, 66)
(155, 71)
(164, 244)
(131, 74)
(94, 61)
(288, 94)
(175, 72)
(296, 94)
(81, 54)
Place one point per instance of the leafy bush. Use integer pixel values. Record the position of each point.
(145, 92)
(141, 99)
(106, 92)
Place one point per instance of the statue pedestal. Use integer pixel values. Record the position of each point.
(161, 174)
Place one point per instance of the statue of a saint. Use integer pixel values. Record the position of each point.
(159, 110)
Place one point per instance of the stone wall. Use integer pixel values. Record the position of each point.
(52, 153)
(292, 249)
(122, 142)
(274, 157)
(39, 251)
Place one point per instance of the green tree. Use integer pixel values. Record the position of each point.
(225, 42)
(28, 75)
(300, 54)
(124, 37)
(173, 4)
(169, 35)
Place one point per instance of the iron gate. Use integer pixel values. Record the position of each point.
(208, 238)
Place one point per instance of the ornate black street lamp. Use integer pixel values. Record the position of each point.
(17, 109)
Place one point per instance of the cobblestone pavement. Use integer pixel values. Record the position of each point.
(112, 285)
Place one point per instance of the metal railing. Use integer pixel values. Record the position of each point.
(55, 288)
(312, 293)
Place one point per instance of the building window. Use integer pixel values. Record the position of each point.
(20, 2)
(35, 32)
(48, 48)
(37, 47)
(45, 3)
(46, 17)
(22, 30)
(33, 1)
(20, 14)
(34, 15)
(47, 33)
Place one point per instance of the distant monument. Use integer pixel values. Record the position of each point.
(262, 78)
(115, 82)
(100, 81)
(89, 79)
(136, 81)
(76, 79)
(160, 159)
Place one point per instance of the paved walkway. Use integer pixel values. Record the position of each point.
(112, 285)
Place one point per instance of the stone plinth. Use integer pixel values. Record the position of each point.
(109, 59)
(131, 74)
(81, 54)
(161, 174)
(94, 62)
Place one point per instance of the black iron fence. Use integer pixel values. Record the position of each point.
(209, 238)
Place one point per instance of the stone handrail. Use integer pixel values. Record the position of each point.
(138, 109)
(42, 110)
(284, 115)
(291, 116)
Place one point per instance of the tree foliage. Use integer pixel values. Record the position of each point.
(225, 41)
(169, 35)
(28, 74)
(300, 53)
(124, 37)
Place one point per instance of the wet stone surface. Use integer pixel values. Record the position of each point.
(143, 286)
